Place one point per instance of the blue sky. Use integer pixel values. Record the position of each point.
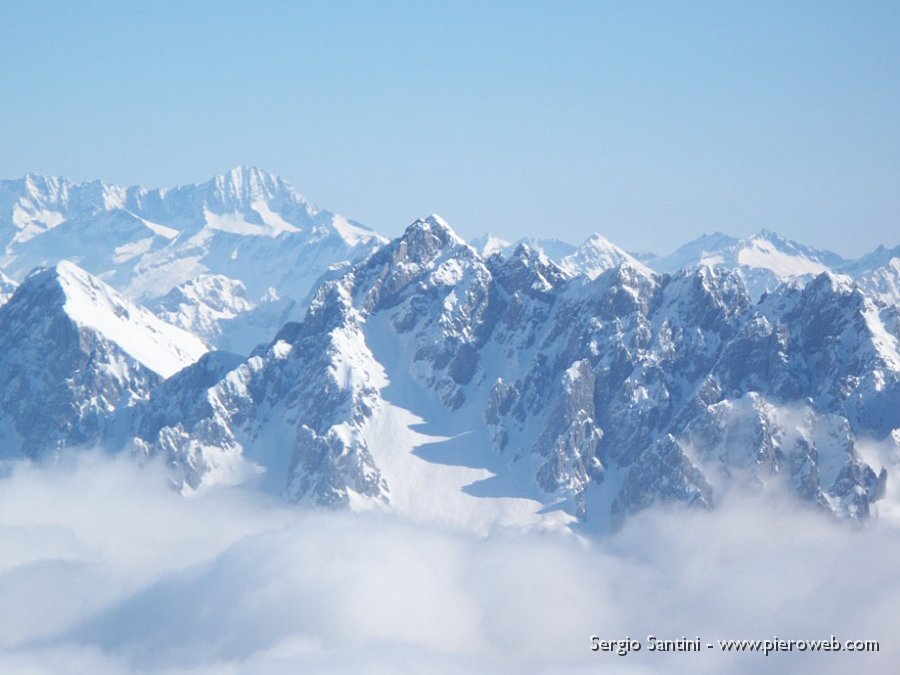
(648, 122)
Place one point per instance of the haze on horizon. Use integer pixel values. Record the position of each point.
(648, 122)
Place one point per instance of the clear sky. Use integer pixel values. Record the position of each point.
(648, 122)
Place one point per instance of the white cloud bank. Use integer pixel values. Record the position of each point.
(104, 570)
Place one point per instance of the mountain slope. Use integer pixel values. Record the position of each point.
(72, 350)
(596, 255)
(764, 260)
(535, 384)
(202, 305)
(7, 288)
(488, 244)
(429, 380)
(246, 225)
(878, 273)
(593, 257)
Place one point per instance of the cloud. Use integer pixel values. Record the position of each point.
(103, 569)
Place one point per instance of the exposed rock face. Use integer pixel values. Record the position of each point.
(73, 351)
(634, 385)
(426, 375)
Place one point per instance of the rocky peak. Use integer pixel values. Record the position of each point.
(67, 292)
(527, 270)
(424, 238)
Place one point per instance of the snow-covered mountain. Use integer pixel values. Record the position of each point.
(433, 381)
(246, 227)
(7, 288)
(203, 305)
(489, 244)
(555, 249)
(593, 257)
(597, 255)
(72, 350)
(878, 273)
(767, 260)
(764, 260)
(527, 384)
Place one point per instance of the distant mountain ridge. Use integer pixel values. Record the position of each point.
(764, 260)
(246, 225)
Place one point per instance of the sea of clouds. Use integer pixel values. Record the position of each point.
(105, 569)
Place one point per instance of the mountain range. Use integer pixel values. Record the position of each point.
(259, 239)
(246, 336)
